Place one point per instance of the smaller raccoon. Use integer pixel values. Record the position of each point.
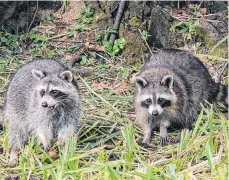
(170, 89)
(42, 100)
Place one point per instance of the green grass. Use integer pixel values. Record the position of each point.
(106, 146)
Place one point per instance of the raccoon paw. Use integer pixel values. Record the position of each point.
(163, 141)
(13, 159)
(142, 144)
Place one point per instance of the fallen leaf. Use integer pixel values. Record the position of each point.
(69, 57)
(98, 85)
(52, 154)
(203, 11)
(87, 44)
(100, 48)
(94, 47)
(124, 83)
(180, 11)
(111, 84)
(204, 58)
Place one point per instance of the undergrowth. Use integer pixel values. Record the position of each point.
(105, 147)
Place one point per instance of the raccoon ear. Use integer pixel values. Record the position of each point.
(38, 74)
(167, 81)
(67, 75)
(141, 82)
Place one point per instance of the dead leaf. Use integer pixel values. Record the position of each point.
(90, 36)
(52, 154)
(100, 48)
(111, 84)
(94, 47)
(203, 11)
(69, 57)
(204, 58)
(180, 11)
(124, 83)
(87, 44)
(98, 85)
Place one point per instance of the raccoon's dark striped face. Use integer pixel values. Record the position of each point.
(51, 96)
(155, 104)
(54, 93)
(156, 95)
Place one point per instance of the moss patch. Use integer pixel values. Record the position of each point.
(209, 43)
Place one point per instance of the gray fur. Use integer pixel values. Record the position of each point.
(23, 108)
(189, 85)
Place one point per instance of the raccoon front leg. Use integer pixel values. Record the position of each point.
(16, 138)
(163, 133)
(13, 158)
(45, 136)
(142, 118)
(147, 128)
(64, 133)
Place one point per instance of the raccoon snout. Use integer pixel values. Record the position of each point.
(44, 104)
(155, 113)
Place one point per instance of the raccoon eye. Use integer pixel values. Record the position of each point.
(160, 100)
(148, 100)
(42, 92)
(53, 91)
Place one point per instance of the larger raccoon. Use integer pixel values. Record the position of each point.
(43, 101)
(170, 88)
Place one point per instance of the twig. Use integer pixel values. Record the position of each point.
(76, 58)
(82, 72)
(100, 97)
(68, 41)
(211, 57)
(221, 72)
(144, 39)
(60, 35)
(117, 21)
(33, 17)
(204, 165)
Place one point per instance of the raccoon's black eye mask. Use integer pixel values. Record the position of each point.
(58, 94)
(42, 92)
(164, 102)
(146, 103)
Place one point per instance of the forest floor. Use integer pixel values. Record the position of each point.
(106, 147)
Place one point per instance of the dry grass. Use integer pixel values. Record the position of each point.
(106, 146)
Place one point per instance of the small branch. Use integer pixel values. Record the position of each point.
(117, 21)
(68, 41)
(221, 72)
(203, 166)
(76, 58)
(59, 36)
(76, 70)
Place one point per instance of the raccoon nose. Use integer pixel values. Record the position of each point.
(44, 104)
(155, 113)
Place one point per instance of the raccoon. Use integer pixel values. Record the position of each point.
(170, 89)
(42, 101)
